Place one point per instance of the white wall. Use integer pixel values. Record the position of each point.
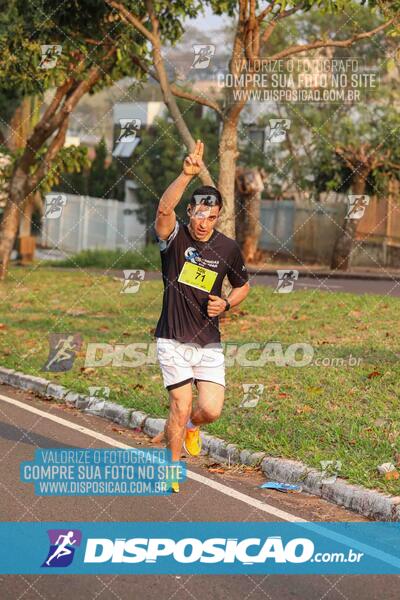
(87, 222)
(147, 112)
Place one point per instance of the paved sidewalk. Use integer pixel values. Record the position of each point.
(323, 271)
(22, 431)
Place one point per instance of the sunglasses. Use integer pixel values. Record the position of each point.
(206, 199)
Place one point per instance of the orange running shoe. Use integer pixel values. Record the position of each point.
(192, 442)
(175, 487)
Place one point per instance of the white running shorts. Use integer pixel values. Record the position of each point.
(184, 362)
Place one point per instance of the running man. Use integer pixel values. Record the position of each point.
(65, 351)
(62, 549)
(195, 259)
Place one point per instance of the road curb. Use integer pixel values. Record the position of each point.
(369, 503)
(365, 276)
(252, 270)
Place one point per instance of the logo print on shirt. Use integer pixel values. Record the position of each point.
(192, 255)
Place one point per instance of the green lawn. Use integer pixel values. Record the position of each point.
(312, 413)
(148, 258)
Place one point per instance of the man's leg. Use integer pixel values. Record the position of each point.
(180, 407)
(208, 408)
(209, 404)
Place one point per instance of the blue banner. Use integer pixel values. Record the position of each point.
(102, 472)
(207, 548)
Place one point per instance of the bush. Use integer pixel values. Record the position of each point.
(148, 258)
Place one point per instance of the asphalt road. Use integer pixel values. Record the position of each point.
(321, 283)
(389, 286)
(21, 431)
(380, 287)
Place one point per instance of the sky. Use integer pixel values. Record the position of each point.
(208, 21)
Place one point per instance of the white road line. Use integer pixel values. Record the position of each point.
(319, 285)
(224, 489)
(219, 487)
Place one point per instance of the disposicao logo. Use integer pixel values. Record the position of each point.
(190, 550)
(62, 547)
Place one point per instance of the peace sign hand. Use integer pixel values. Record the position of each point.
(193, 164)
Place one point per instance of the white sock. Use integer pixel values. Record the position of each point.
(190, 425)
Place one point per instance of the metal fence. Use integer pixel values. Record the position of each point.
(302, 230)
(307, 231)
(85, 222)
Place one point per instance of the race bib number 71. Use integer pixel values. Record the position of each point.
(197, 277)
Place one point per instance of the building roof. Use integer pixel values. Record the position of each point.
(125, 149)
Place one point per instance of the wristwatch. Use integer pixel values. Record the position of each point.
(227, 307)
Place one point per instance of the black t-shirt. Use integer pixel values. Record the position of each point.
(191, 271)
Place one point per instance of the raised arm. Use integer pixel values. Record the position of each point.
(165, 216)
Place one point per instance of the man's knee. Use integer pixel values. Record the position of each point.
(211, 413)
(179, 410)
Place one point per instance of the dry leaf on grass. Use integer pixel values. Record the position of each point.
(120, 431)
(392, 475)
(158, 438)
(76, 312)
(247, 469)
(356, 314)
(305, 409)
(87, 370)
(215, 468)
(374, 374)
(315, 390)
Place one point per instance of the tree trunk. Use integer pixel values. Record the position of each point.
(26, 219)
(9, 224)
(344, 242)
(226, 181)
(21, 185)
(252, 226)
(168, 96)
(18, 191)
(20, 125)
(22, 182)
(249, 186)
(34, 202)
(343, 246)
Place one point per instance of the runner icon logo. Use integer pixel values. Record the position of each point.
(62, 351)
(357, 203)
(276, 131)
(202, 55)
(286, 279)
(62, 547)
(128, 129)
(54, 205)
(132, 281)
(49, 55)
(252, 393)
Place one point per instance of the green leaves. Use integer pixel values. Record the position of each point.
(68, 160)
(158, 158)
